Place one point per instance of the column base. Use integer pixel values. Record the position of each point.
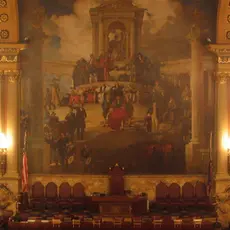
(193, 157)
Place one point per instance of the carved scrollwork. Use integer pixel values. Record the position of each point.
(4, 17)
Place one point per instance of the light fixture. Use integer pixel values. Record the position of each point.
(3, 153)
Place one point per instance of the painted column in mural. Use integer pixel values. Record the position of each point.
(132, 38)
(196, 84)
(101, 36)
(12, 77)
(222, 125)
(32, 15)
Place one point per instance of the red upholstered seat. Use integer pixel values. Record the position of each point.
(162, 193)
(37, 200)
(78, 197)
(201, 194)
(174, 194)
(51, 195)
(188, 194)
(64, 195)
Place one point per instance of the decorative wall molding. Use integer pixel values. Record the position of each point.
(8, 58)
(11, 75)
(222, 77)
(4, 34)
(3, 4)
(224, 60)
(9, 50)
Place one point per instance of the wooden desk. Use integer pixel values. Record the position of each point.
(125, 205)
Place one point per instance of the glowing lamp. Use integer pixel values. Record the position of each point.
(4, 144)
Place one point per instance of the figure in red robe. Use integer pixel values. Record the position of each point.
(117, 115)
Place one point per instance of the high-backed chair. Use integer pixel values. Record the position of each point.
(162, 194)
(174, 194)
(64, 200)
(51, 194)
(37, 199)
(78, 197)
(188, 194)
(201, 194)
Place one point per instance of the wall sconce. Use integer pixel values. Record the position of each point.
(3, 153)
(3, 160)
(228, 150)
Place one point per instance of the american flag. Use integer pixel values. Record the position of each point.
(25, 167)
(210, 168)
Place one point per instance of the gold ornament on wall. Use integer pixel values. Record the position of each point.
(4, 17)
(3, 3)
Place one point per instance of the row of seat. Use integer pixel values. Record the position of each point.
(50, 196)
(63, 195)
(136, 222)
(187, 194)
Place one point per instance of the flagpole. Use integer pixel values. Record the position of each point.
(210, 146)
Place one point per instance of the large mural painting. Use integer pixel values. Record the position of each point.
(106, 99)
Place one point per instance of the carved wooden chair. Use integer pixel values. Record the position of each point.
(162, 194)
(51, 193)
(37, 199)
(64, 201)
(188, 195)
(174, 194)
(78, 197)
(201, 194)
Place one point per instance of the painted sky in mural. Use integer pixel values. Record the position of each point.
(68, 28)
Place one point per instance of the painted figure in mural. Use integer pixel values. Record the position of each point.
(92, 69)
(105, 107)
(54, 157)
(80, 121)
(48, 100)
(86, 155)
(186, 100)
(170, 114)
(70, 119)
(140, 65)
(55, 91)
(118, 114)
(148, 122)
(153, 111)
(62, 148)
(116, 48)
(129, 110)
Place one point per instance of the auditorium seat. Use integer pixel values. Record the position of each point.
(64, 201)
(174, 194)
(78, 197)
(162, 194)
(51, 195)
(37, 199)
(201, 195)
(188, 195)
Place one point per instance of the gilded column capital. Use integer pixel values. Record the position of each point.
(11, 75)
(222, 77)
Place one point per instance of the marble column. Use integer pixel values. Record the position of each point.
(132, 39)
(222, 126)
(127, 45)
(196, 84)
(101, 37)
(94, 39)
(13, 115)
